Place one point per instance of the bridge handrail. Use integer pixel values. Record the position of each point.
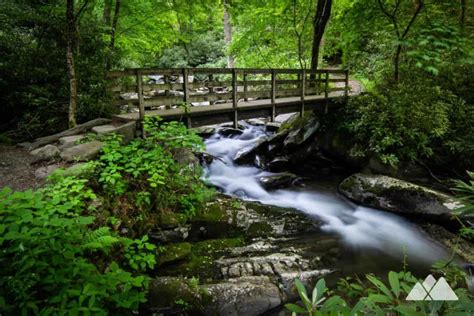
(308, 83)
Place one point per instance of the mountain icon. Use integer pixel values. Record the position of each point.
(432, 290)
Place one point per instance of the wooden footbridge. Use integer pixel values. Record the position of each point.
(204, 96)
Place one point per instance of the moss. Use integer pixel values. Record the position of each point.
(201, 260)
(213, 213)
(259, 229)
(171, 219)
(178, 293)
(173, 253)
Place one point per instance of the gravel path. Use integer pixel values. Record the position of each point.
(16, 170)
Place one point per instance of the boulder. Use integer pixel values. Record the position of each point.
(243, 296)
(229, 131)
(82, 152)
(205, 131)
(103, 129)
(272, 126)
(278, 180)
(247, 154)
(300, 135)
(256, 122)
(45, 153)
(127, 130)
(44, 172)
(69, 141)
(185, 156)
(398, 196)
(279, 164)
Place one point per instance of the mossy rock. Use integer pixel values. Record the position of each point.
(200, 262)
(259, 229)
(173, 253)
(171, 219)
(213, 212)
(176, 295)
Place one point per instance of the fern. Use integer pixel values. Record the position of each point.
(101, 240)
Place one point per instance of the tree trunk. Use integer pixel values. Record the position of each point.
(228, 35)
(323, 12)
(113, 32)
(107, 10)
(71, 29)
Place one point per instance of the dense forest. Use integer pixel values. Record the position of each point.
(110, 223)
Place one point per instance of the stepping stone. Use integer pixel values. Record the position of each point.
(103, 129)
(82, 152)
(69, 141)
(45, 153)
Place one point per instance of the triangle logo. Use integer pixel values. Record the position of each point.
(432, 290)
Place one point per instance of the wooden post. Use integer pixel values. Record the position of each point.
(167, 81)
(318, 84)
(326, 91)
(273, 94)
(141, 105)
(346, 86)
(234, 96)
(245, 87)
(184, 72)
(303, 90)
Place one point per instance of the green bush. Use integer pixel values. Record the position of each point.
(47, 246)
(400, 122)
(153, 175)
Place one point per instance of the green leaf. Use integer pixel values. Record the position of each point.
(379, 284)
(295, 308)
(394, 282)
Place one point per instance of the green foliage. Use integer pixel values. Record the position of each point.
(46, 245)
(374, 297)
(140, 253)
(400, 122)
(154, 170)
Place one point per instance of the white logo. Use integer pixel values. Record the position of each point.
(432, 290)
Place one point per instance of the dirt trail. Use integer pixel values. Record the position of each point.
(16, 170)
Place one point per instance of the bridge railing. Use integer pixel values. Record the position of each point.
(164, 88)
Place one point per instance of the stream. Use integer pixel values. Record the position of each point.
(373, 239)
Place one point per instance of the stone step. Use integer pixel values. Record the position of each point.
(127, 130)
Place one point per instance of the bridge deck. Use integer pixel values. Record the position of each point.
(221, 113)
(274, 92)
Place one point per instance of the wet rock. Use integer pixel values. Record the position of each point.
(43, 172)
(228, 131)
(279, 180)
(256, 122)
(278, 164)
(398, 196)
(247, 154)
(299, 136)
(243, 296)
(47, 152)
(103, 129)
(69, 141)
(82, 152)
(205, 131)
(272, 126)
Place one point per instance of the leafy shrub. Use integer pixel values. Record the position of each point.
(46, 245)
(377, 298)
(399, 122)
(152, 175)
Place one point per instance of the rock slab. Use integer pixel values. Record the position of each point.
(82, 152)
(398, 196)
(46, 152)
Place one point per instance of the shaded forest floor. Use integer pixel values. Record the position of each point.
(16, 170)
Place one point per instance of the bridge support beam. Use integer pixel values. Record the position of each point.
(303, 91)
(234, 97)
(273, 95)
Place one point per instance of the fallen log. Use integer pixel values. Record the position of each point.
(81, 128)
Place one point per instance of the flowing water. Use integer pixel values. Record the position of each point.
(363, 230)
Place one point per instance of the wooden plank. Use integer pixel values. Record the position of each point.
(234, 97)
(141, 105)
(245, 87)
(185, 85)
(273, 94)
(303, 91)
